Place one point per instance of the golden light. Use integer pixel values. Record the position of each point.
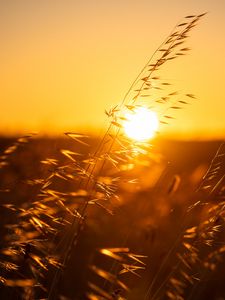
(141, 124)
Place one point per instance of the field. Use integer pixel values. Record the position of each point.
(158, 199)
(129, 214)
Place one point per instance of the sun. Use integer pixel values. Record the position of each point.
(141, 124)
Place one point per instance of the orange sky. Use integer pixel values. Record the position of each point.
(64, 62)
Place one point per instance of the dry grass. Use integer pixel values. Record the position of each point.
(46, 230)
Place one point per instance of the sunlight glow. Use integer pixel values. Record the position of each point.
(141, 124)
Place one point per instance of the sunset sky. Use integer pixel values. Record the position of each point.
(64, 62)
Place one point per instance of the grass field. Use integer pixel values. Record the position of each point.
(149, 217)
(126, 215)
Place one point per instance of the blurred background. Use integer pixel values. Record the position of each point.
(64, 62)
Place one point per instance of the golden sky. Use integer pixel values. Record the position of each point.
(64, 62)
